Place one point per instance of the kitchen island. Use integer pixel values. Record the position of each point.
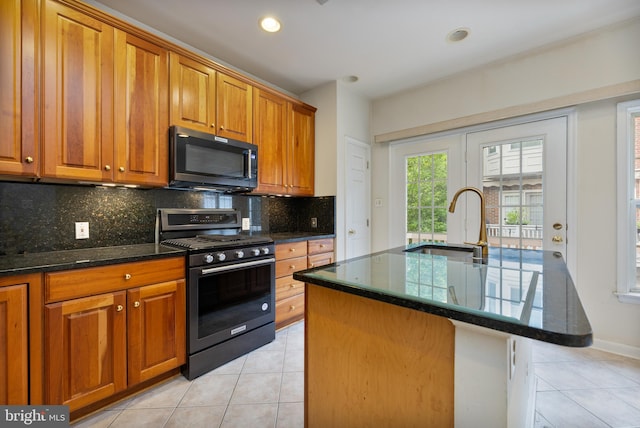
(421, 338)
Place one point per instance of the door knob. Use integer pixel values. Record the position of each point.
(557, 239)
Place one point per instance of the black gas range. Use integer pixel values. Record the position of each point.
(231, 285)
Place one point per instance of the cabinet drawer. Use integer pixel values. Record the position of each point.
(289, 310)
(317, 246)
(287, 287)
(320, 259)
(289, 266)
(85, 282)
(291, 249)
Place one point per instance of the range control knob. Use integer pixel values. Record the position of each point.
(221, 257)
(208, 258)
(255, 252)
(239, 254)
(264, 250)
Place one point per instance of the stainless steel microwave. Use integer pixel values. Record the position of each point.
(201, 160)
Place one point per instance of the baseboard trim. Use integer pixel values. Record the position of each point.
(617, 348)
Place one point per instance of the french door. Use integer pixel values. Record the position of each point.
(522, 171)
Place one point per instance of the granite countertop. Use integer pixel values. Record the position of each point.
(523, 292)
(74, 259)
(282, 237)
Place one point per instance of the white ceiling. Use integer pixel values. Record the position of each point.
(391, 45)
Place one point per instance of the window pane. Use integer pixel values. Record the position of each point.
(426, 197)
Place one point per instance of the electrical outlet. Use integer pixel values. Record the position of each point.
(246, 223)
(82, 230)
(314, 222)
(378, 202)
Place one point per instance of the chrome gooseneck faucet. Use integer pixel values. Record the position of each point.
(482, 238)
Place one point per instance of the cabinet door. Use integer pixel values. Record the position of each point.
(234, 115)
(156, 329)
(18, 100)
(142, 117)
(14, 378)
(270, 116)
(78, 95)
(85, 349)
(301, 152)
(193, 94)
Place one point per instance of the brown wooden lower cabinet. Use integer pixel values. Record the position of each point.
(14, 360)
(98, 345)
(292, 257)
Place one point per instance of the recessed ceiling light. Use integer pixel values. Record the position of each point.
(270, 24)
(458, 35)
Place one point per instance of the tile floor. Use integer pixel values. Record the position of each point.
(577, 387)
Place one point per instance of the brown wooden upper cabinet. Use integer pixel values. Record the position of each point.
(19, 154)
(210, 101)
(105, 102)
(284, 133)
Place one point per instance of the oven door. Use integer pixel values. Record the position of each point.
(226, 301)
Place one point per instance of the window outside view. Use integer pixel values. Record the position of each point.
(636, 138)
(426, 198)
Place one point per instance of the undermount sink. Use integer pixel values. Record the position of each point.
(460, 251)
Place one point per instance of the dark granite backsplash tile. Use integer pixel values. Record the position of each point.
(37, 217)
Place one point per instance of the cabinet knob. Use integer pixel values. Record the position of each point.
(121, 169)
(321, 245)
(127, 276)
(292, 267)
(311, 265)
(222, 127)
(136, 304)
(107, 167)
(292, 285)
(292, 249)
(213, 125)
(28, 159)
(119, 308)
(292, 308)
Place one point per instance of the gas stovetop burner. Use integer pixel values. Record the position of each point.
(203, 242)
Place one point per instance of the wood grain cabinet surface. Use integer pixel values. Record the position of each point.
(292, 257)
(19, 148)
(285, 135)
(208, 100)
(101, 344)
(14, 357)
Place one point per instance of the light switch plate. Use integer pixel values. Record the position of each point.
(82, 230)
(246, 223)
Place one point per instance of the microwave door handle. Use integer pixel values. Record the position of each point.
(248, 164)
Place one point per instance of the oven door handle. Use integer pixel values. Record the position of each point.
(238, 266)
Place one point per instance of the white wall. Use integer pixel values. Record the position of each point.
(342, 112)
(595, 61)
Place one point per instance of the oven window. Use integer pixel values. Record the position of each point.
(229, 299)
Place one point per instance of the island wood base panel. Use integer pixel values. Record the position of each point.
(368, 363)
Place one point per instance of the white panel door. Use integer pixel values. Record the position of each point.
(358, 199)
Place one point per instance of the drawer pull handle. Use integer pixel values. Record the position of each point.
(136, 304)
(292, 266)
(127, 276)
(292, 249)
(322, 245)
(119, 308)
(292, 308)
(292, 285)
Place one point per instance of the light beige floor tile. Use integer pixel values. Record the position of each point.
(602, 375)
(214, 390)
(562, 412)
(196, 417)
(168, 394)
(294, 360)
(563, 376)
(142, 418)
(541, 422)
(541, 385)
(630, 396)
(292, 389)
(99, 420)
(257, 388)
(290, 415)
(264, 362)
(254, 415)
(278, 344)
(603, 404)
(629, 368)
